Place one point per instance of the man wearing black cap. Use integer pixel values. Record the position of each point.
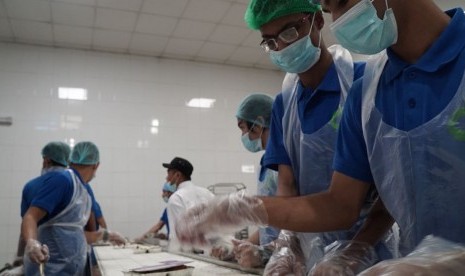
(187, 194)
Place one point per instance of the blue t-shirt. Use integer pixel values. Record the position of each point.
(51, 192)
(164, 218)
(315, 109)
(95, 206)
(408, 96)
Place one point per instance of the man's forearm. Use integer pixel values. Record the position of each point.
(378, 222)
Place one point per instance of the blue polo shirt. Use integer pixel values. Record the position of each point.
(51, 192)
(315, 108)
(409, 95)
(164, 218)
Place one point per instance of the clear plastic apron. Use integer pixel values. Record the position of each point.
(64, 236)
(267, 187)
(420, 174)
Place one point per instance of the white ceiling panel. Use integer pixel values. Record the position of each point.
(111, 39)
(73, 15)
(165, 7)
(207, 30)
(115, 19)
(5, 30)
(129, 5)
(148, 44)
(82, 2)
(157, 25)
(32, 31)
(216, 51)
(186, 48)
(73, 36)
(235, 15)
(193, 29)
(206, 10)
(29, 10)
(229, 34)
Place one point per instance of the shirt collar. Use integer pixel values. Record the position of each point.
(436, 56)
(330, 83)
(183, 184)
(78, 175)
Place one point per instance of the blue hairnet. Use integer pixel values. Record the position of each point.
(169, 188)
(85, 153)
(254, 106)
(58, 152)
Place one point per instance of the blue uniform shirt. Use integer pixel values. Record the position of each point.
(315, 108)
(51, 192)
(408, 95)
(164, 218)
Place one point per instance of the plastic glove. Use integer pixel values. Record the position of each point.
(116, 238)
(345, 258)
(17, 271)
(111, 236)
(433, 256)
(288, 258)
(38, 253)
(222, 214)
(250, 255)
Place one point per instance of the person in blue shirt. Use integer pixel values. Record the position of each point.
(253, 119)
(55, 156)
(402, 129)
(53, 224)
(307, 112)
(167, 191)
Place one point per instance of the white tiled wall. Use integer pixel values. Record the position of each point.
(125, 94)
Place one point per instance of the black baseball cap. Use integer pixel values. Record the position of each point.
(180, 164)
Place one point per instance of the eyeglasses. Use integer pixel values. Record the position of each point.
(288, 35)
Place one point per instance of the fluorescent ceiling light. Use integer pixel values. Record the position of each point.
(201, 102)
(155, 122)
(72, 93)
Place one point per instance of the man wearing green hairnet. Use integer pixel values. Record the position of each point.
(53, 224)
(304, 125)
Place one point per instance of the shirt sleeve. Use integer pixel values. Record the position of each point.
(164, 218)
(95, 206)
(276, 153)
(351, 156)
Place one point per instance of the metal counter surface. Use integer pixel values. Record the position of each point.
(113, 260)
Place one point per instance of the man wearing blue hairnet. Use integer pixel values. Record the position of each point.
(166, 193)
(53, 225)
(254, 119)
(55, 156)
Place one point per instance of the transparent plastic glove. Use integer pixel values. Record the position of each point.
(345, 258)
(111, 236)
(116, 238)
(222, 214)
(37, 252)
(288, 258)
(16, 271)
(249, 255)
(433, 256)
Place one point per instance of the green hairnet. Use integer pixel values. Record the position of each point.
(58, 152)
(85, 153)
(254, 106)
(260, 12)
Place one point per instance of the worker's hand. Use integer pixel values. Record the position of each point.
(37, 253)
(345, 258)
(288, 258)
(247, 254)
(222, 214)
(116, 238)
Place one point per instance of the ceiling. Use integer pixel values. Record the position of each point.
(196, 30)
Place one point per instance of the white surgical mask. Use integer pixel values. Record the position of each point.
(165, 199)
(361, 31)
(252, 145)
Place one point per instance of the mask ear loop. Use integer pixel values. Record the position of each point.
(311, 26)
